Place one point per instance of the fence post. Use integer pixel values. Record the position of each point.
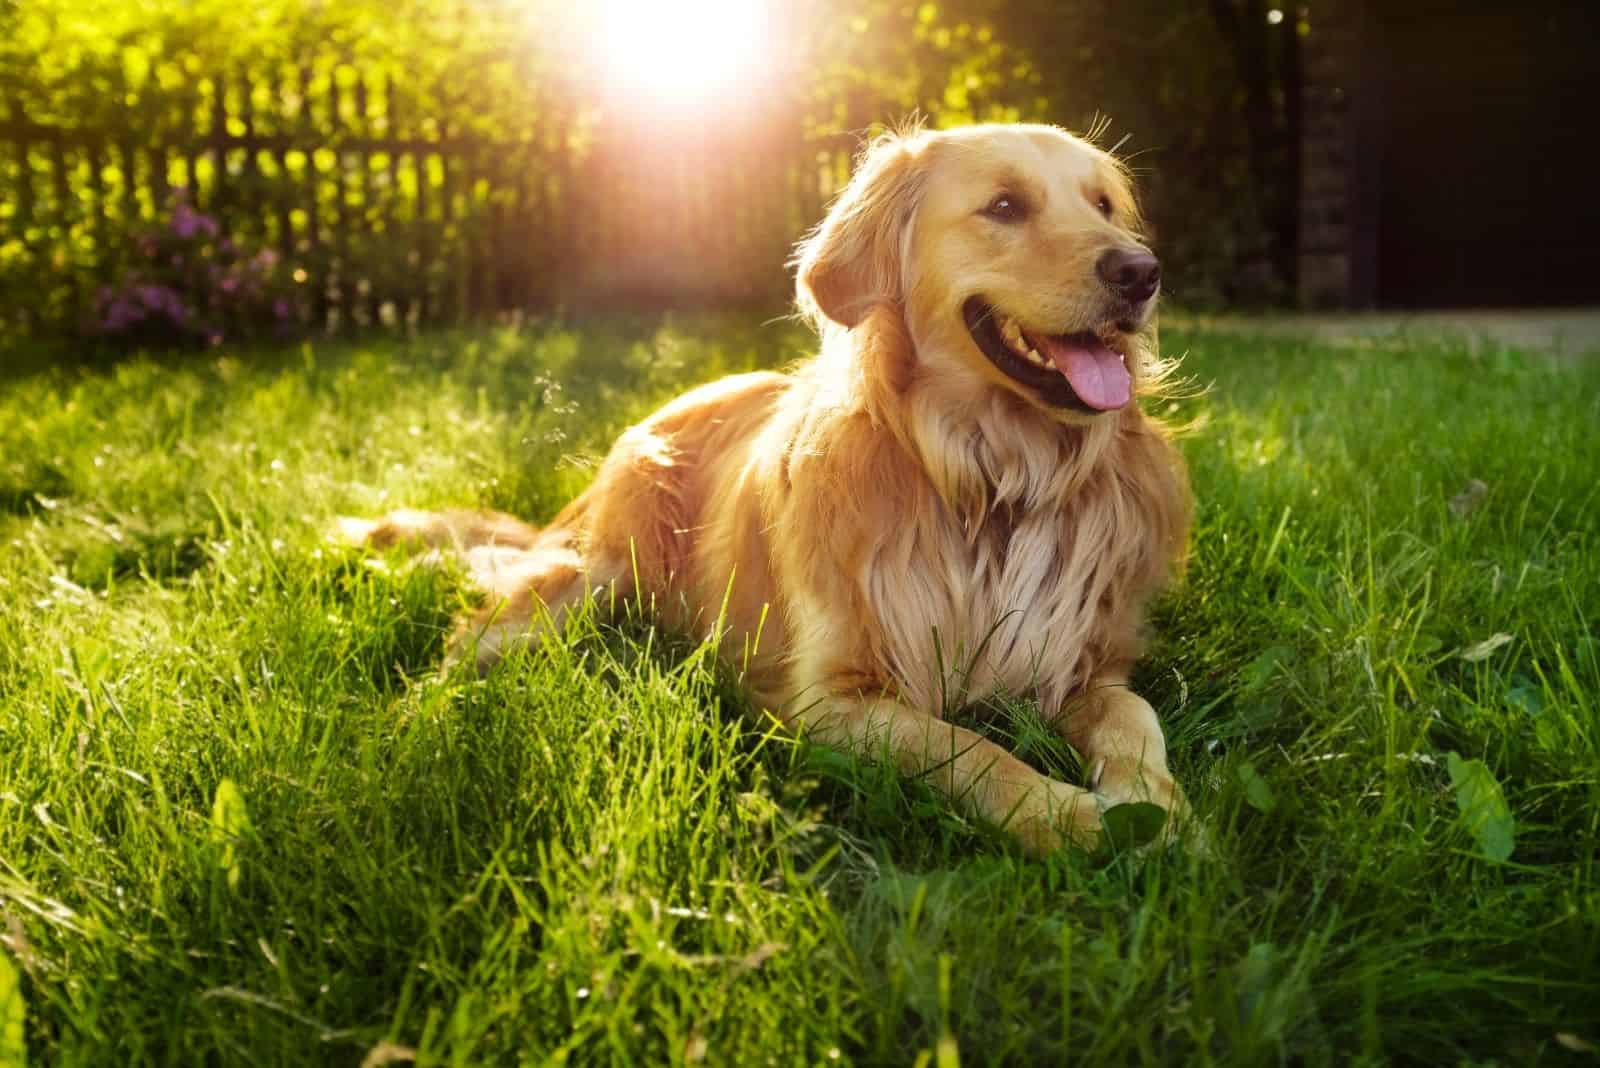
(63, 211)
(25, 219)
(222, 200)
(341, 235)
(451, 223)
(393, 231)
(284, 200)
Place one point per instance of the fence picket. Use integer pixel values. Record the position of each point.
(63, 200)
(394, 231)
(217, 144)
(283, 198)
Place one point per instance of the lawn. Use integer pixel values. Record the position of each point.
(244, 821)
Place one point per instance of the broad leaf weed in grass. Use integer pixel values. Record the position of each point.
(245, 820)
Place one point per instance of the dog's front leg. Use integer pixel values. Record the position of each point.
(985, 780)
(1117, 732)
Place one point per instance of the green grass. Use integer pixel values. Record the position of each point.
(594, 855)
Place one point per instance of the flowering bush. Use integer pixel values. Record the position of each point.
(188, 282)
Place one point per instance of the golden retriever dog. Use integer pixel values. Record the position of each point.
(958, 496)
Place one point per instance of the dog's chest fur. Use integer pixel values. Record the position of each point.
(1013, 574)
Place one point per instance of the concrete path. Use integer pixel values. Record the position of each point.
(1568, 332)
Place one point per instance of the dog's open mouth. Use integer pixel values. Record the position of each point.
(1081, 370)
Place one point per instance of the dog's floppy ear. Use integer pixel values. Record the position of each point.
(851, 262)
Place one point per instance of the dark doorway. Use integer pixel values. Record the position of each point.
(1489, 171)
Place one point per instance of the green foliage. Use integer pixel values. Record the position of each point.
(420, 159)
(189, 282)
(131, 97)
(153, 63)
(597, 854)
(1200, 98)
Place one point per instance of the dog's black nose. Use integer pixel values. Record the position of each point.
(1132, 274)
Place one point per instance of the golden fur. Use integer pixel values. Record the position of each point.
(898, 527)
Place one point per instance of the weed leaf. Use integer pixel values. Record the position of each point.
(1485, 649)
(1526, 697)
(1131, 825)
(1256, 790)
(1484, 811)
(1264, 666)
(1466, 502)
(229, 821)
(386, 1052)
(1256, 975)
(13, 1051)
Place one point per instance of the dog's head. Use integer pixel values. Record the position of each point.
(1013, 254)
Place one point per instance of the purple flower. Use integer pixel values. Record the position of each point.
(186, 222)
(122, 314)
(140, 301)
(193, 280)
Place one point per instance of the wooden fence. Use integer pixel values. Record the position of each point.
(378, 216)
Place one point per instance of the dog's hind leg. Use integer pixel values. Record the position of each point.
(532, 578)
(530, 592)
(459, 530)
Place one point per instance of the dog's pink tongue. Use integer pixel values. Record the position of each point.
(1098, 375)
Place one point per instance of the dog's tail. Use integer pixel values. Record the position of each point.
(457, 531)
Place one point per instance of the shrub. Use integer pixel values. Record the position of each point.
(186, 281)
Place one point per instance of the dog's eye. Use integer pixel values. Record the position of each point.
(1005, 208)
(1104, 204)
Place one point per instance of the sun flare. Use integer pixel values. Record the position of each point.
(689, 48)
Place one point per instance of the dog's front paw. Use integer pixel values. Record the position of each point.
(1056, 817)
(1140, 805)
